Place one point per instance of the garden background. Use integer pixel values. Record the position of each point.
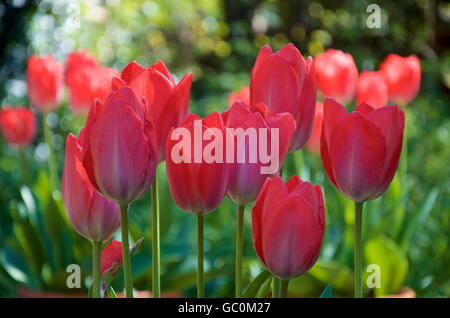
(406, 231)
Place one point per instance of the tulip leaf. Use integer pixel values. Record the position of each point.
(327, 292)
(111, 293)
(254, 287)
(392, 265)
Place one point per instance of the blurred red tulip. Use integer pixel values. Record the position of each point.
(111, 258)
(288, 222)
(402, 76)
(242, 95)
(246, 178)
(197, 186)
(285, 82)
(90, 214)
(119, 147)
(87, 82)
(18, 125)
(313, 143)
(372, 89)
(360, 151)
(337, 75)
(168, 102)
(45, 80)
(80, 58)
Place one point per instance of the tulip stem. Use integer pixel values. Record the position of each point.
(52, 167)
(96, 280)
(24, 166)
(284, 287)
(358, 250)
(156, 283)
(239, 234)
(276, 287)
(200, 274)
(126, 251)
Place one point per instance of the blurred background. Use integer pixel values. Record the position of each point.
(406, 231)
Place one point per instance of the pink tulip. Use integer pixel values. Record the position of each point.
(90, 214)
(119, 147)
(288, 222)
(285, 82)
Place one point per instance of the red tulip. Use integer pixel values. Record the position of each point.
(168, 102)
(288, 222)
(247, 178)
(285, 82)
(337, 75)
(80, 58)
(196, 184)
(18, 125)
(111, 258)
(90, 214)
(87, 81)
(360, 151)
(119, 146)
(45, 79)
(402, 76)
(372, 89)
(313, 143)
(242, 95)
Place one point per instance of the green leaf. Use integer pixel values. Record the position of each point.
(392, 262)
(418, 217)
(111, 293)
(327, 292)
(254, 287)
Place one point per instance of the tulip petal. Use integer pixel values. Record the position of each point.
(130, 71)
(162, 68)
(292, 55)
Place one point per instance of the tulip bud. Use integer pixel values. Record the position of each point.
(198, 183)
(45, 79)
(337, 75)
(247, 177)
(242, 95)
(402, 76)
(168, 102)
(119, 147)
(87, 81)
(90, 214)
(313, 143)
(288, 223)
(285, 82)
(18, 125)
(360, 151)
(372, 89)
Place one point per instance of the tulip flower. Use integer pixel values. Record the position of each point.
(120, 154)
(360, 153)
(198, 183)
(80, 58)
(402, 76)
(90, 214)
(86, 83)
(247, 178)
(337, 75)
(45, 80)
(313, 143)
(288, 223)
(285, 82)
(111, 260)
(372, 89)
(242, 95)
(18, 125)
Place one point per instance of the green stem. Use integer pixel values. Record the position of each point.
(156, 266)
(276, 287)
(126, 251)
(403, 165)
(96, 280)
(200, 274)
(52, 167)
(239, 234)
(284, 287)
(358, 250)
(24, 166)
